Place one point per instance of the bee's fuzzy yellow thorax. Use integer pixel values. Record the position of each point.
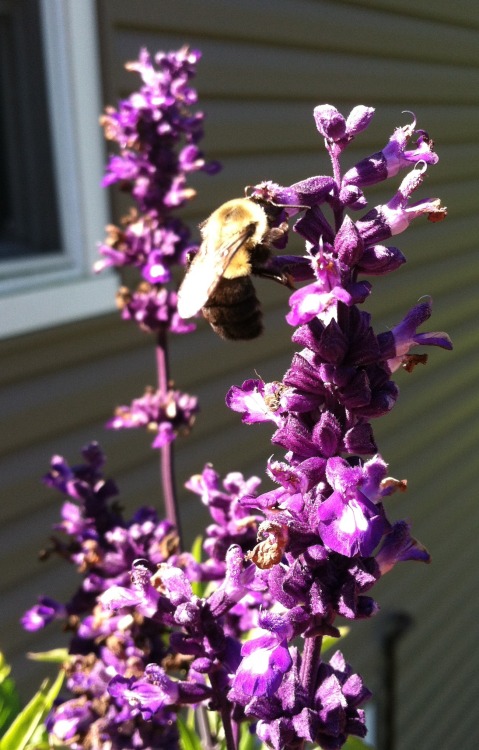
(240, 265)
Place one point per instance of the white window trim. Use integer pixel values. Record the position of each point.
(63, 288)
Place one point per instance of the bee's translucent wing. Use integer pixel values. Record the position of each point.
(205, 271)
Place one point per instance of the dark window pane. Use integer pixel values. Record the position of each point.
(28, 206)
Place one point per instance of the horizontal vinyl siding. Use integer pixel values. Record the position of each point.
(264, 66)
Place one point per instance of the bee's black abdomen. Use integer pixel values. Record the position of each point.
(233, 310)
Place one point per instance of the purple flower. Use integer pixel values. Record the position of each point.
(71, 720)
(152, 308)
(265, 661)
(42, 614)
(399, 546)
(163, 413)
(339, 130)
(147, 697)
(233, 524)
(257, 401)
(395, 216)
(326, 720)
(349, 523)
(316, 299)
(333, 284)
(393, 157)
(396, 343)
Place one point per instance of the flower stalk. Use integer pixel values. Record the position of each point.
(310, 664)
(167, 467)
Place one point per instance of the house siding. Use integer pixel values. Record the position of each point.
(265, 65)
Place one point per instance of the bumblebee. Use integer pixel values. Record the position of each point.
(236, 243)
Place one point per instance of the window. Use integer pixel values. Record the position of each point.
(52, 208)
(28, 215)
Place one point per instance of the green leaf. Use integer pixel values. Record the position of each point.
(9, 700)
(354, 743)
(189, 740)
(190, 718)
(197, 549)
(248, 740)
(54, 656)
(21, 733)
(4, 668)
(198, 587)
(329, 642)
(39, 740)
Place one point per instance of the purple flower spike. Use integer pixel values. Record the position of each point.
(158, 136)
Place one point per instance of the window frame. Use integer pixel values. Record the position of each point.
(61, 287)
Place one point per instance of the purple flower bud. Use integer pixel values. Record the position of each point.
(303, 194)
(360, 439)
(353, 197)
(377, 260)
(348, 243)
(42, 614)
(330, 123)
(327, 434)
(359, 119)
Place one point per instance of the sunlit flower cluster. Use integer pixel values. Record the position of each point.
(157, 133)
